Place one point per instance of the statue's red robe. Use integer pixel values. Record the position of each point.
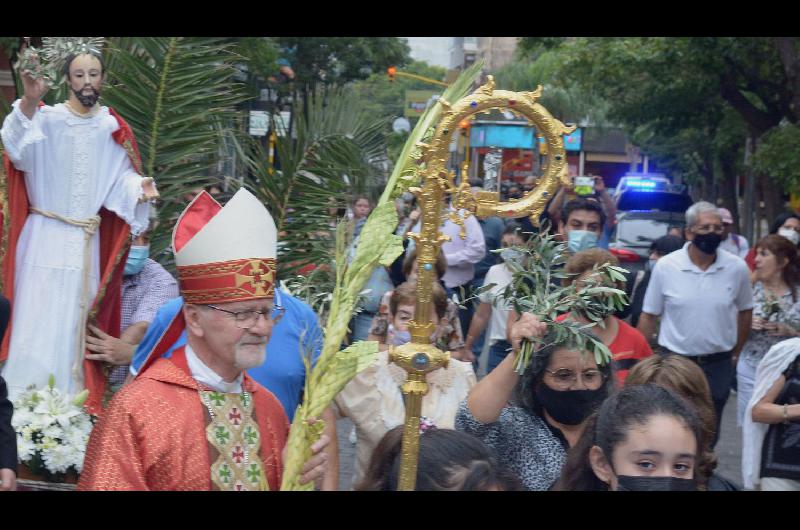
(114, 245)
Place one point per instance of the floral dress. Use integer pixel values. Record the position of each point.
(782, 309)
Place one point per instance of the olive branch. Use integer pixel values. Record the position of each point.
(536, 288)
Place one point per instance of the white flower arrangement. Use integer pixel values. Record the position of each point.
(52, 431)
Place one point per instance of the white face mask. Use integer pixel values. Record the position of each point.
(789, 234)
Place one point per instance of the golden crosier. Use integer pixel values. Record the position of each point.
(419, 357)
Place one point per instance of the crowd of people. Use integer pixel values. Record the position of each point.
(212, 358)
(699, 324)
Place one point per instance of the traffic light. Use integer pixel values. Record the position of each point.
(392, 71)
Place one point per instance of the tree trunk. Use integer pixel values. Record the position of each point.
(790, 58)
(749, 190)
(728, 187)
(773, 197)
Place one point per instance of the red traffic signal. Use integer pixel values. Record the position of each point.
(392, 71)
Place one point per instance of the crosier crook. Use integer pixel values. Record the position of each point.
(419, 357)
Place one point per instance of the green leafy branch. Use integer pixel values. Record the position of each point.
(535, 289)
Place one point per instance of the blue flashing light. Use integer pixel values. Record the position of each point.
(637, 183)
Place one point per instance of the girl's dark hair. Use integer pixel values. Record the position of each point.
(778, 222)
(448, 460)
(783, 248)
(609, 427)
(583, 203)
(513, 227)
(525, 392)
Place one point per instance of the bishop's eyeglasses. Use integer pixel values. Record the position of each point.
(248, 319)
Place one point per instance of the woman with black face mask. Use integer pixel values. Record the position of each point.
(532, 420)
(644, 438)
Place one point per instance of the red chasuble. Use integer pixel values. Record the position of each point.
(153, 435)
(114, 245)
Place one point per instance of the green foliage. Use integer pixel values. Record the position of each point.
(665, 92)
(387, 98)
(338, 60)
(566, 102)
(260, 54)
(333, 155)
(406, 172)
(779, 157)
(533, 290)
(178, 95)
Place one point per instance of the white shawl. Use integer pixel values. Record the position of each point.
(774, 363)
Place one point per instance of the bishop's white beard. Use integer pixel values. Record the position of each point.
(250, 352)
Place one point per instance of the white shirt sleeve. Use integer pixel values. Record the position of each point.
(744, 247)
(487, 295)
(474, 248)
(654, 296)
(744, 298)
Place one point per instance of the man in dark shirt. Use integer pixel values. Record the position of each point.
(8, 438)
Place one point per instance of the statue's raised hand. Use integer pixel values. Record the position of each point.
(33, 79)
(35, 86)
(35, 89)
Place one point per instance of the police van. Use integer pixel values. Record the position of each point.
(648, 206)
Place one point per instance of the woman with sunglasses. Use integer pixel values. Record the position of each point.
(532, 420)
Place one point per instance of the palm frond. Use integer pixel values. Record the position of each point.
(178, 95)
(334, 147)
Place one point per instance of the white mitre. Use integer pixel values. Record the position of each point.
(225, 254)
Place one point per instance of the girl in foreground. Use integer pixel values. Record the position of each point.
(643, 438)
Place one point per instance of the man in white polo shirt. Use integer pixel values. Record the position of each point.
(705, 302)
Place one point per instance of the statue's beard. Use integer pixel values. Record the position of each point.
(89, 100)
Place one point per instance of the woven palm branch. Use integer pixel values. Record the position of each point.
(378, 245)
(179, 97)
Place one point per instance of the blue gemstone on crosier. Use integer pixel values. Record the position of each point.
(427, 266)
(420, 361)
(473, 104)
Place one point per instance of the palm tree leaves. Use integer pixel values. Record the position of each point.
(334, 151)
(177, 94)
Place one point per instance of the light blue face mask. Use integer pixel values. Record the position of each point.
(400, 337)
(136, 259)
(581, 240)
(403, 337)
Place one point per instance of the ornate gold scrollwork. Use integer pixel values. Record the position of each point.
(438, 182)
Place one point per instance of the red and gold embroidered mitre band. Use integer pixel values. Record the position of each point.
(225, 254)
(228, 281)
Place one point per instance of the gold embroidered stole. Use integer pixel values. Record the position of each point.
(234, 442)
